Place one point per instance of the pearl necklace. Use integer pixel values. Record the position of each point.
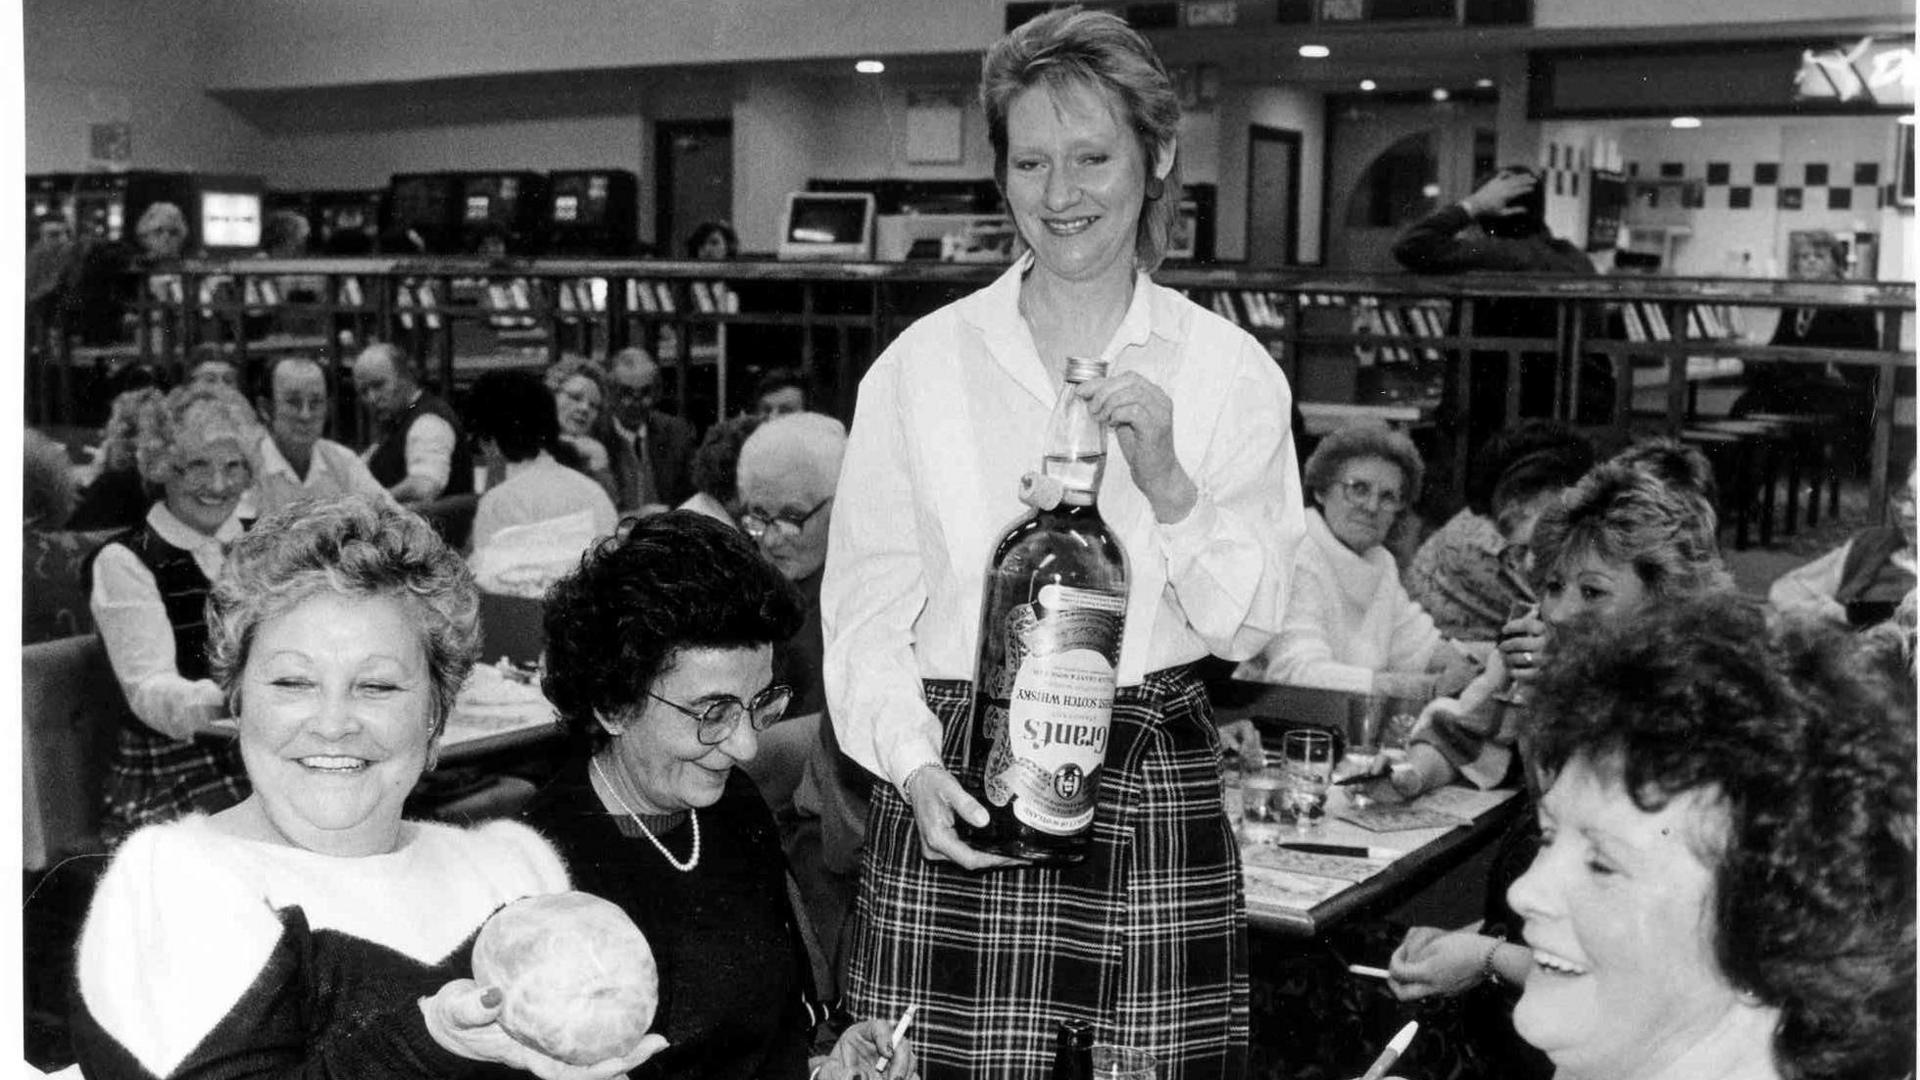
(693, 860)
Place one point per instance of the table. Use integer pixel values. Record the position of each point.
(1302, 905)
(507, 727)
(1299, 911)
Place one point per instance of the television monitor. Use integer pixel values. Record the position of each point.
(230, 220)
(829, 226)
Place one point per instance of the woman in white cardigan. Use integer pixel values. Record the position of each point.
(1349, 624)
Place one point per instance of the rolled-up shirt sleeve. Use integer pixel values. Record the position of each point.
(872, 592)
(429, 453)
(139, 639)
(1230, 560)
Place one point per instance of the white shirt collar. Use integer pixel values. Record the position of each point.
(170, 528)
(537, 461)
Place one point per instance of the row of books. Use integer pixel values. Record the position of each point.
(1647, 321)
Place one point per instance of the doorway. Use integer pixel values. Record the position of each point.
(693, 180)
(1273, 196)
(1391, 163)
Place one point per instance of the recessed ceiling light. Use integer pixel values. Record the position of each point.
(1440, 93)
(1906, 118)
(869, 67)
(1315, 52)
(1368, 84)
(1484, 84)
(1685, 121)
(1431, 191)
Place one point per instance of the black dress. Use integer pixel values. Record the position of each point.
(733, 969)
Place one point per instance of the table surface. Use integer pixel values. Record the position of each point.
(1306, 906)
(507, 727)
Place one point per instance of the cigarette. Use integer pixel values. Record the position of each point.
(899, 1032)
(1393, 1051)
(1368, 972)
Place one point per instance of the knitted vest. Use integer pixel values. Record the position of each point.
(389, 460)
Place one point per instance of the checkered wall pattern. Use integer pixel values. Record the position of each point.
(1760, 185)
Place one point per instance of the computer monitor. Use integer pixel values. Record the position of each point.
(229, 220)
(829, 226)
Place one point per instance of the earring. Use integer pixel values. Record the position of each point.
(1156, 188)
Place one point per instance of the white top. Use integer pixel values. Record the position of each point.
(333, 470)
(949, 418)
(540, 489)
(187, 917)
(1347, 618)
(1810, 589)
(138, 635)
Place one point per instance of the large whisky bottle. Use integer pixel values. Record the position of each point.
(1050, 624)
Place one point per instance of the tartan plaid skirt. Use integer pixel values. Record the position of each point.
(153, 778)
(1146, 939)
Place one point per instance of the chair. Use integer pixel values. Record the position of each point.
(71, 706)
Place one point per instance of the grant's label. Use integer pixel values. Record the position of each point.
(1062, 650)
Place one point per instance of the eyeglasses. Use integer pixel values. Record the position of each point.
(163, 230)
(1362, 491)
(718, 720)
(785, 524)
(204, 473)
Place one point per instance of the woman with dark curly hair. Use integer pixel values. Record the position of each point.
(660, 664)
(1726, 883)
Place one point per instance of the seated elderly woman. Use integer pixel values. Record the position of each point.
(1863, 581)
(1725, 885)
(148, 588)
(309, 930)
(1466, 575)
(716, 469)
(660, 664)
(511, 414)
(580, 396)
(1349, 623)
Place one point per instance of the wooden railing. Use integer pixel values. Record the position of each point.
(1388, 339)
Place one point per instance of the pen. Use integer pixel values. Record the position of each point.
(893, 1041)
(1396, 1047)
(1351, 852)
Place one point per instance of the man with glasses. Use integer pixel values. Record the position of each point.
(788, 470)
(650, 452)
(295, 461)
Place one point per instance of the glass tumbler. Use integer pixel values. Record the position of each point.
(1307, 761)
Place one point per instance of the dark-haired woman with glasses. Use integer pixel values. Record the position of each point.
(660, 664)
(1350, 624)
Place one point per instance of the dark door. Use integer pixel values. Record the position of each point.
(1273, 196)
(693, 180)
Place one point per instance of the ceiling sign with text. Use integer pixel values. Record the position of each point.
(1870, 72)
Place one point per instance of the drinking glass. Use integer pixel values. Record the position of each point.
(1260, 796)
(1123, 1063)
(1308, 764)
(1512, 693)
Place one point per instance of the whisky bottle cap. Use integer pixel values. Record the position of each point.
(1082, 368)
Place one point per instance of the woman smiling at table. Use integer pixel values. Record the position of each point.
(309, 930)
(1725, 886)
(660, 663)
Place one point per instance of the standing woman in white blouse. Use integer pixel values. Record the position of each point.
(148, 594)
(1146, 939)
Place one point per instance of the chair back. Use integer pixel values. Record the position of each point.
(71, 706)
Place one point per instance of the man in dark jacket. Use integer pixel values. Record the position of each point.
(1501, 227)
(649, 452)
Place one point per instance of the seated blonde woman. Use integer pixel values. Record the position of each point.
(1349, 624)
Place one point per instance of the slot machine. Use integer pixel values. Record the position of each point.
(591, 212)
(503, 209)
(50, 195)
(344, 222)
(423, 205)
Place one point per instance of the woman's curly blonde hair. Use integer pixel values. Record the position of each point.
(197, 415)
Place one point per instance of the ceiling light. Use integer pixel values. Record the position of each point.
(1905, 118)
(1685, 121)
(1368, 84)
(1431, 191)
(869, 67)
(1440, 93)
(1484, 84)
(1315, 52)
